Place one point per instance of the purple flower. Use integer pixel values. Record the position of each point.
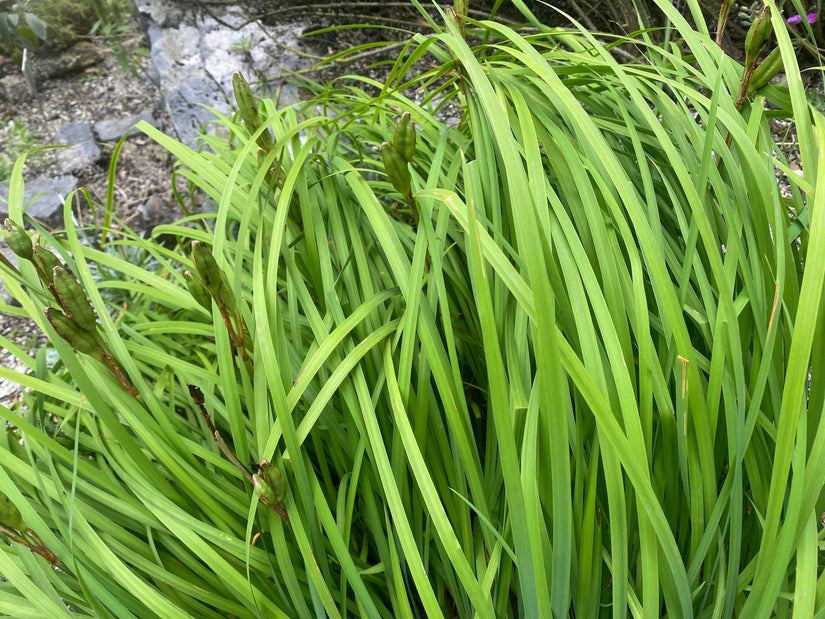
(811, 17)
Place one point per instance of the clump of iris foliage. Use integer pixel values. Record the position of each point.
(587, 383)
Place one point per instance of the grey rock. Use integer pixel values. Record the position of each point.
(113, 129)
(156, 211)
(232, 17)
(14, 89)
(161, 12)
(78, 57)
(185, 103)
(9, 389)
(195, 56)
(155, 35)
(219, 58)
(83, 151)
(185, 81)
(43, 199)
(178, 51)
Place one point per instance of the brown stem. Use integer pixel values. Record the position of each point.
(740, 100)
(724, 11)
(743, 85)
(37, 546)
(114, 369)
(236, 337)
(197, 397)
(276, 507)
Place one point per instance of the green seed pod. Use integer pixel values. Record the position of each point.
(396, 169)
(263, 489)
(207, 268)
(86, 342)
(248, 106)
(246, 102)
(758, 33)
(274, 479)
(10, 516)
(766, 71)
(212, 277)
(44, 262)
(226, 300)
(73, 300)
(404, 140)
(198, 290)
(19, 240)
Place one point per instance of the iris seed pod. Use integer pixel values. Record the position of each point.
(404, 139)
(274, 479)
(212, 277)
(19, 240)
(269, 486)
(246, 102)
(396, 169)
(207, 268)
(263, 489)
(758, 33)
(44, 262)
(73, 300)
(198, 290)
(10, 516)
(226, 299)
(86, 342)
(248, 106)
(766, 71)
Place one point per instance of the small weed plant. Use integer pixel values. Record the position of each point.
(242, 44)
(561, 358)
(20, 28)
(19, 140)
(68, 19)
